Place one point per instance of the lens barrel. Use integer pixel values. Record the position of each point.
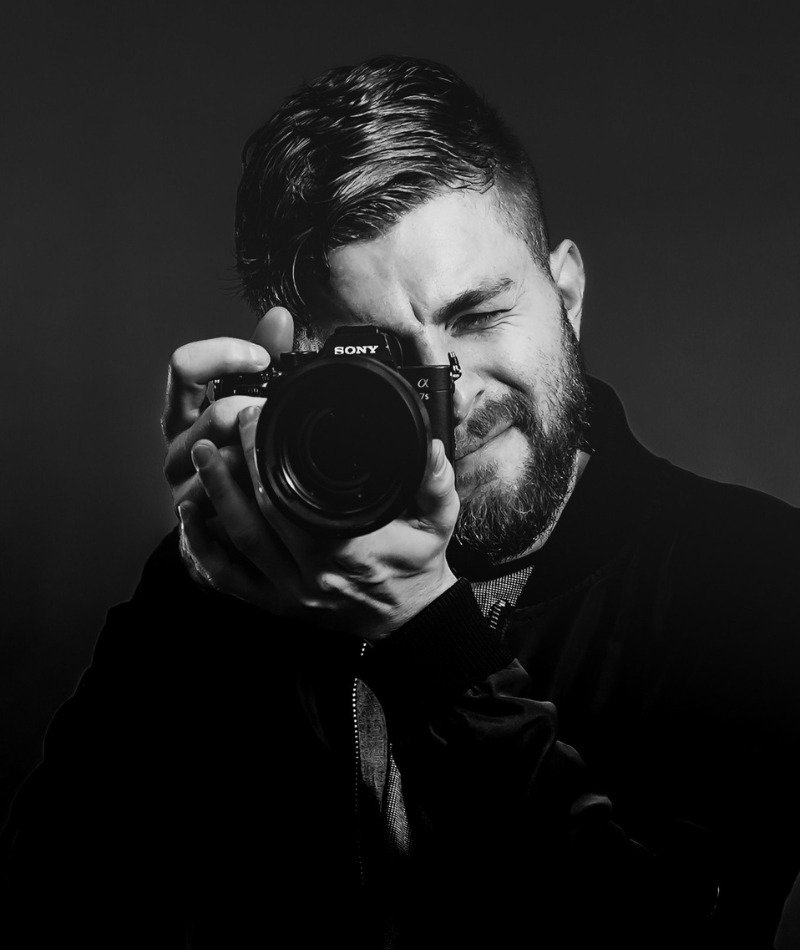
(341, 445)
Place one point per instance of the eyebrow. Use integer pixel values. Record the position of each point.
(466, 300)
(472, 298)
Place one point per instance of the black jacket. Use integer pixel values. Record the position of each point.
(199, 788)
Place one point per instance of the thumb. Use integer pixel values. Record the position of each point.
(436, 499)
(275, 331)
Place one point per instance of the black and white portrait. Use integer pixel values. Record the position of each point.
(401, 528)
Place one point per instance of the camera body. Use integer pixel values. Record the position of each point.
(344, 435)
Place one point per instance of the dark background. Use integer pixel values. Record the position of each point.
(666, 136)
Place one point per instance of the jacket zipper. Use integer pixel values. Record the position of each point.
(498, 615)
(357, 773)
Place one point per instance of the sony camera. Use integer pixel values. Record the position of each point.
(343, 438)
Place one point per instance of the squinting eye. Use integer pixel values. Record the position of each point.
(477, 319)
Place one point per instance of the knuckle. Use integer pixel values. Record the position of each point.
(181, 359)
(230, 353)
(218, 423)
(177, 460)
(221, 416)
(327, 582)
(215, 414)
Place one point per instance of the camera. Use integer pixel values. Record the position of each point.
(343, 438)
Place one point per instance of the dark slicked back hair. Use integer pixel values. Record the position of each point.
(348, 154)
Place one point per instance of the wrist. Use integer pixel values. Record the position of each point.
(442, 650)
(418, 599)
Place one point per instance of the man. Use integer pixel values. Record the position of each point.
(357, 738)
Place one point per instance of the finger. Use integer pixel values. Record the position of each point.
(436, 499)
(217, 423)
(209, 562)
(191, 489)
(275, 331)
(194, 365)
(239, 514)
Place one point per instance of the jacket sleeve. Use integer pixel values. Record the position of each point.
(103, 792)
(500, 807)
(181, 754)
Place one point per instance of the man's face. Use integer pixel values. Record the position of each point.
(450, 276)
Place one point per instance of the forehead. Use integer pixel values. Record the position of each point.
(449, 244)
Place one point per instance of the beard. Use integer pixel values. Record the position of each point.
(501, 520)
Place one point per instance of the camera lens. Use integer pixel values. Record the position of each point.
(330, 454)
(335, 448)
(342, 446)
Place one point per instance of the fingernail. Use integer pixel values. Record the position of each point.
(259, 355)
(441, 460)
(201, 454)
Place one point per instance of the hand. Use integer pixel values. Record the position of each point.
(369, 585)
(188, 416)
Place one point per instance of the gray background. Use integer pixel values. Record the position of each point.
(667, 141)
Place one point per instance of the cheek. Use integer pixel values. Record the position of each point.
(515, 359)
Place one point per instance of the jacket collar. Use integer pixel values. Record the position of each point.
(610, 506)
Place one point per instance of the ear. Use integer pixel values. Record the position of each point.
(566, 267)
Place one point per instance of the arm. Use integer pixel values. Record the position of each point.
(76, 850)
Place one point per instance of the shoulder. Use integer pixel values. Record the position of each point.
(728, 562)
(732, 521)
(172, 622)
(711, 577)
(168, 619)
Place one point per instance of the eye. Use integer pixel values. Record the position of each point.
(476, 321)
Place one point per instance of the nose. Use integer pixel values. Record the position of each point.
(468, 387)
